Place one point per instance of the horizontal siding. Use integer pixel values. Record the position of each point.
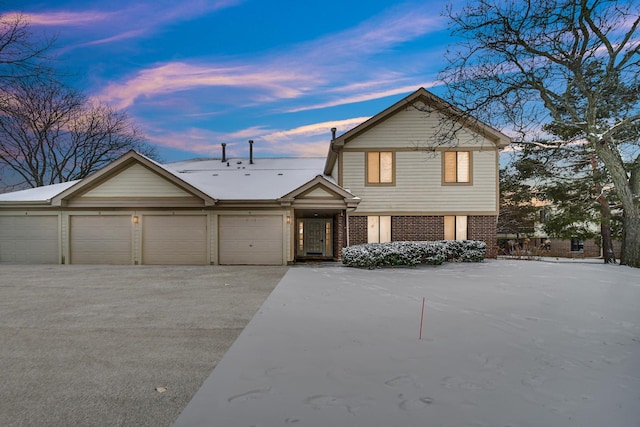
(411, 128)
(419, 185)
(137, 181)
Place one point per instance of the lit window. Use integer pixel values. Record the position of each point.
(380, 167)
(378, 229)
(327, 237)
(457, 167)
(300, 236)
(455, 227)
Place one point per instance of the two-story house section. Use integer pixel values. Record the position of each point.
(413, 184)
(388, 179)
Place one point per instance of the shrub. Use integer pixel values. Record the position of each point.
(374, 255)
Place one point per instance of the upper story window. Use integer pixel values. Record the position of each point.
(456, 167)
(380, 167)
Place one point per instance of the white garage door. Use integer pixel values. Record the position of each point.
(102, 239)
(29, 239)
(177, 240)
(249, 239)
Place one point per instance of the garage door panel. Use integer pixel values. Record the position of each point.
(174, 239)
(100, 239)
(250, 239)
(29, 239)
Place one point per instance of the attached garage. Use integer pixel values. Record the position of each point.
(250, 239)
(174, 239)
(100, 239)
(29, 239)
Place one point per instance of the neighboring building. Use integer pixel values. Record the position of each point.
(383, 180)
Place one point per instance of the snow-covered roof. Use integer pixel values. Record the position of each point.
(38, 194)
(235, 179)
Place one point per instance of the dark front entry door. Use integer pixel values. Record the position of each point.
(317, 237)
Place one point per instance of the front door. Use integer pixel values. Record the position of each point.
(316, 237)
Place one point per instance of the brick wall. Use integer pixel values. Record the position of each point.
(417, 228)
(357, 230)
(338, 235)
(484, 228)
(427, 228)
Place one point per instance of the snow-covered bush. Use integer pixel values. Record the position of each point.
(372, 255)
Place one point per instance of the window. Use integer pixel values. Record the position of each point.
(544, 216)
(380, 167)
(455, 227)
(378, 229)
(577, 245)
(457, 167)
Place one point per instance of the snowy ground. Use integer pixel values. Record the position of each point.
(505, 343)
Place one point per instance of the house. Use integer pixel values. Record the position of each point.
(382, 180)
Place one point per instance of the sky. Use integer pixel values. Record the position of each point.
(195, 73)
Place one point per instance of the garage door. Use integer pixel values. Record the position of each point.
(177, 240)
(100, 239)
(29, 239)
(249, 239)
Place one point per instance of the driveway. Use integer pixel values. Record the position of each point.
(501, 343)
(116, 345)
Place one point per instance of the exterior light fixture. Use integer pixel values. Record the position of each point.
(136, 219)
(288, 219)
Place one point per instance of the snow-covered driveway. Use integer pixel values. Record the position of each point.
(504, 343)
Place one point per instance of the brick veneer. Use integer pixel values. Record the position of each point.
(484, 228)
(338, 235)
(417, 228)
(357, 230)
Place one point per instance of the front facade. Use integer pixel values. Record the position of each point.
(381, 181)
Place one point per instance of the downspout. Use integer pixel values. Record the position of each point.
(346, 220)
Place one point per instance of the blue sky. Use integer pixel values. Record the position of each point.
(195, 73)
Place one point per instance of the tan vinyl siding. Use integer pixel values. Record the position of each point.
(318, 193)
(137, 181)
(411, 129)
(418, 184)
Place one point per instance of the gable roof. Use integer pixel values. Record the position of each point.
(321, 182)
(500, 139)
(123, 162)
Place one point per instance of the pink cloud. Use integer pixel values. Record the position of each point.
(305, 141)
(67, 18)
(292, 73)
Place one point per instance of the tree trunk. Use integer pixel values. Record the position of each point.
(631, 241)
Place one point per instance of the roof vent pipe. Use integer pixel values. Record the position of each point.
(251, 151)
(224, 152)
(333, 133)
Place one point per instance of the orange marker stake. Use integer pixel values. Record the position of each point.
(421, 317)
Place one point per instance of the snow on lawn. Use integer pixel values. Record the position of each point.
(505, 343)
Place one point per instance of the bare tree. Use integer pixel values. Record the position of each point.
(22, 55)
(574, 63)
(50, 133)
